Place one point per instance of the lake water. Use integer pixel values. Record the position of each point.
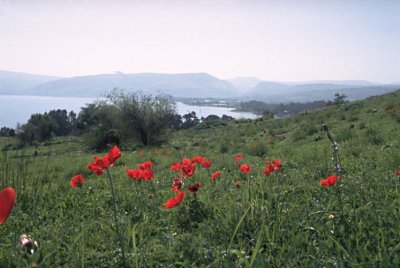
(18, 109)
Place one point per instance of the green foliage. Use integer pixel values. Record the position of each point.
(7, 132)
(127, 118)
(43, 127)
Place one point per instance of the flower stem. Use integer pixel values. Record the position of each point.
(119, 237)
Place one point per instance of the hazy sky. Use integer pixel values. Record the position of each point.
(272, 40)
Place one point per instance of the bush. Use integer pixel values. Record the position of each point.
(126, 118)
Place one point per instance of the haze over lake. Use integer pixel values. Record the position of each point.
(18, 109)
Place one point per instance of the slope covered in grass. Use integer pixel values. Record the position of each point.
(284, 219)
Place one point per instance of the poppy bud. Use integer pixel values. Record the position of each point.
(27, 244)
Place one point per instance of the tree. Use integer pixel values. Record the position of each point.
(99, 124)
(64, 126)
(339, 99)
(141, 117)
(7, 132)
(88, 117)
(190, 120)
(43, 127)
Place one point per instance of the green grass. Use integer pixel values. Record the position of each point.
(289, 221)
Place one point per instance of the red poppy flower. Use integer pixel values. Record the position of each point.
(245, 168)
(7, 202)
(194, 188)
(277, 164)
(147, 174)
(270, 168)
(329, 181)
(215, 175)
(188, 170)
(141, 167)
(238, 157)
(206, 163)
(143, 172)
(186, 161)
(77, 181)
(237, 184)
(174, 201)
(113, 155)
(145, 165)
(197, 159)
(99, 165)
(176, 166)
(134, 174)
(177, 185)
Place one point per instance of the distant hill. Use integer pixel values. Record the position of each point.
(14, 83)
(188, 85)
(177, 85)
(274, 92)
(244, 84)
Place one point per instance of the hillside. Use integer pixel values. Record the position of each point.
(273, 92)
(237, 219)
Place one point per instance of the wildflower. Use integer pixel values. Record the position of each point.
(271, 167)
(77, 181)
(134, 173)
(143, 172)
(7, 202)
(194, 188)
(176, 166)
(147, 174)
(27, 244)
(197, 159)
(206, 163)
(238, 157)
(329, 181)
(215, 175)
(177, 185)
(331, 216)
(99, 165)
(186, 161)
(174, 201)
(113, 155)
(397, 172)
(277, 164)
(188, 170)
(245, 168)
(145, 165)
(237, 184)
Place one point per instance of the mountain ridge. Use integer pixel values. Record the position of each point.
(187, 85)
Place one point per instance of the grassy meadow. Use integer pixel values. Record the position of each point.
(286, 219)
